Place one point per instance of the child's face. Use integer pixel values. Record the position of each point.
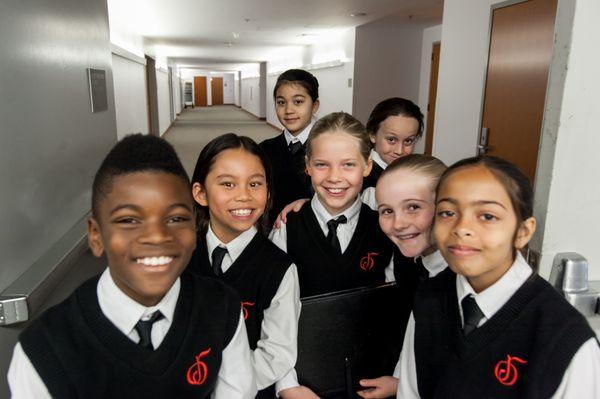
(294, 107)
(396, 137)
(235, 191)
(476, 226)
(406, 209)
(145, 223)
(336, 169)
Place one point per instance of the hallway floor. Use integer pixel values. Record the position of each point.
(194, 128)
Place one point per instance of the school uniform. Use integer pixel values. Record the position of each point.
(267, 282)
(87, 346)
(365, 251)
(369, 182)
(290, 181)
(526, 341)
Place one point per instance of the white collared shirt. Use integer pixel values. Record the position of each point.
(301, 137)
(581, 377)
(276, 351)
(378, 160)
(235, 378)
(368, 194)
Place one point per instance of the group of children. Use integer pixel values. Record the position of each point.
(201, 297)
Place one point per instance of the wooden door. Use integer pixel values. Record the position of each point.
(200, 93)
(216, 90)
(520, 53)
(433, 81)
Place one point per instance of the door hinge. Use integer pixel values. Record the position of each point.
(13, 309)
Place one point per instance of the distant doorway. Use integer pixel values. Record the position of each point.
(433, 82)
(521, 45)
(200, 93)
(216, 90)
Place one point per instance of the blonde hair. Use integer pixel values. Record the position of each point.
(427, 165)
(340, 122)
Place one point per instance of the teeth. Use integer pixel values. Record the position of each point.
(242, 212)
(407, 236)
(155, 260)
(335, 190)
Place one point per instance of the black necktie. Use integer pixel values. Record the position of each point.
(144, 330)
(422, 272)
(332, 233)
(472, 315)
(294, 147)
(217, 259)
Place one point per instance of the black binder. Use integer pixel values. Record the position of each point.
(349, 335)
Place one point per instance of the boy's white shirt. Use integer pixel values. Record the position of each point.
(368, 194)
(580, 379)
(276, 351)
(301, 137)
(235, 378)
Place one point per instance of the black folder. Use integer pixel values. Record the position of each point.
(349, 335)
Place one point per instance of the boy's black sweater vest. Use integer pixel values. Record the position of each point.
(79, 353)
(321, 269)
(522, 351)
(256, 275)
(371, 180)
(290, 182)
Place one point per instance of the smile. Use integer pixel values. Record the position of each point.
(241, 212)
(462, 250)
(155, 260)
(408, 236)
(335, 191)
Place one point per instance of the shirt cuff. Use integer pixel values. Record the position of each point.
(290, 380)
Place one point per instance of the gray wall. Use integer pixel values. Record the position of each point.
(50, 142)
(387, 64)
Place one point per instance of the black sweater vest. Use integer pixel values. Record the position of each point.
(371, 180)
(522, 351)
(321, 270)
(290, 182)
(79, 353)
(256, 275)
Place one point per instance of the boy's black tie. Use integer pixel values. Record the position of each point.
(332, 233)
(422, 272)
(472, 314)
(217, 259)
(294, 147)
(144, 330)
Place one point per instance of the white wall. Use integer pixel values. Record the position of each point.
(251, 95)
(388, 64)
(131, 106)
(177, 103)
(237, 88)
(162, 89)
(228, 88)
(430, 35)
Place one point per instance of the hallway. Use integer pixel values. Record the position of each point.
(194, 128)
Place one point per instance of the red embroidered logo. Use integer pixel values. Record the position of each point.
(367, 262)
(506, 370)
(245, 306)
(198, 372)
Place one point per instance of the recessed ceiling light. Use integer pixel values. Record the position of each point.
(236, 35)
(358, 14)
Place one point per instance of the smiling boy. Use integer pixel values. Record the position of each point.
(141, 329)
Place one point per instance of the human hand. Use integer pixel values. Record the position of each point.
(378, 388)
(299, 392)
(294, 206)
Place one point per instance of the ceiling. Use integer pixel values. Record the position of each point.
(218, 33)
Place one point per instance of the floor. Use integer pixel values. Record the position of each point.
(195, 127)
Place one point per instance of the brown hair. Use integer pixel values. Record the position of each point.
(427, 165)
(394, 106)
(340, 122)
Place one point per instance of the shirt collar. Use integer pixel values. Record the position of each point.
(323, 216)
(378, 160)
(123, 311)
(434, 263)
(302, 137)
(234, 247)
(495, 296)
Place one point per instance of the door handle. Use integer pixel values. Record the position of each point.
(482, 147)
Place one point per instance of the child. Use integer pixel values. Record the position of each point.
(141, 329)
(296, 97)
(394, 127)
(231, 186)
(406, 196)
(488, 326)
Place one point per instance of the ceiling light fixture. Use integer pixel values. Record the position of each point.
(358, 14)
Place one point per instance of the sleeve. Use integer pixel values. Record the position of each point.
(23, 379)
(368, 197)
(277, 349)
(581, 377)
(236, 377)
(279, 237)
(406, 371)
(389, 271)
(290, 380)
